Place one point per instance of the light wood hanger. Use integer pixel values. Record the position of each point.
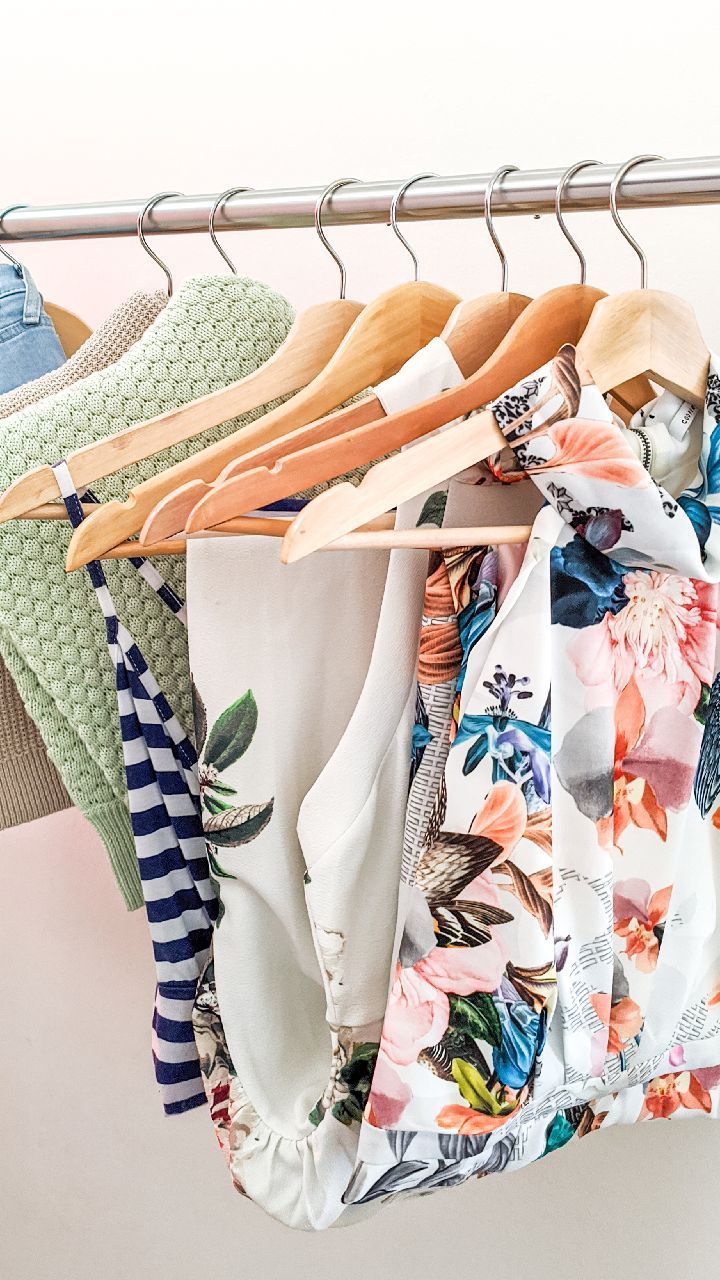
(386, 333)
(70, 329)
(644, 331)
(313, 339)
(473, 331)
(549, 322)
(394, 480)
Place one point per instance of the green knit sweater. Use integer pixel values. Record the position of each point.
(52, 635)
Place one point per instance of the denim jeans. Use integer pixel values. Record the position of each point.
(29, 345)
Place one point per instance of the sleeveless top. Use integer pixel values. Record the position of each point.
(163, 796)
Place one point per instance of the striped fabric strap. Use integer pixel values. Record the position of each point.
(163, 798)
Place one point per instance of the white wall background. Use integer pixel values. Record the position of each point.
(118, 100)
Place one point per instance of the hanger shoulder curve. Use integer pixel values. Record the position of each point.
(386, 333)
(70, 329)
(646, 331)
(171, 514)
(477, 326)
(534, 337)
(340, 509)
(313, 337)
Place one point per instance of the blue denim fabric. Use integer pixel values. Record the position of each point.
(29, 345)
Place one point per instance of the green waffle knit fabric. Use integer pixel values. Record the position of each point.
(214, 331)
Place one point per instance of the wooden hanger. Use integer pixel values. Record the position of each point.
(557, 317)
(70, 329)
(644, 331)
(472, 333)
(313, 339)
(384, 336)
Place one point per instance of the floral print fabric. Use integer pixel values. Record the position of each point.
(559, 962)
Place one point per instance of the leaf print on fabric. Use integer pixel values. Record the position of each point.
(227, 824)
(433, 511)
(475, 1091)
(200, 717)
(232, 733)
(477, 1016)
(440, 652)
(355, 1077)
(238, 825)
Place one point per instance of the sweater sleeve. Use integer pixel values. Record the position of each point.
(86, 783)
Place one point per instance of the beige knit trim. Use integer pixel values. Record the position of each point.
(111, 340)
(30, 785)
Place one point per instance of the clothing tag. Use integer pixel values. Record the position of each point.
(666, 436)
(431, 370)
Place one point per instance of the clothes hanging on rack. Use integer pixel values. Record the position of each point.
(213, 330)
(30, 785)
(162, 785)
(575, 870)
(307, 758)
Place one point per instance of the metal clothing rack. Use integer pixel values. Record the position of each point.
(652, 184)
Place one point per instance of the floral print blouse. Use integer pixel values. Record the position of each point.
(559, 954)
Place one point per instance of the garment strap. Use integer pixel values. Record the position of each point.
(73, 506)
(164, 803)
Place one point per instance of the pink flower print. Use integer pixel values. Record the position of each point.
(667, 756)
(638, 917)
(418, 1010)
(666, 1094)
(462, 971)
(417, 1015)
(623, 1020)
(503, 816)
(664, 637)
(389, 1095)
(465, 1120)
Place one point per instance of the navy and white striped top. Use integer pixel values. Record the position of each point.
(163, 795)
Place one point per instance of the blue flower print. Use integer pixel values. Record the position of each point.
(523, 1037)
(585, 585)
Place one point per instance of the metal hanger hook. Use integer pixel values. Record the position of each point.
(614, 188)
(220, 202)
(568, 174)
(490, 187)
(393, 215)
(6, 252)
(330, 190)
(162, 195)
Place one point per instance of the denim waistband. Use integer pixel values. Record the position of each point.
(13, 282)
